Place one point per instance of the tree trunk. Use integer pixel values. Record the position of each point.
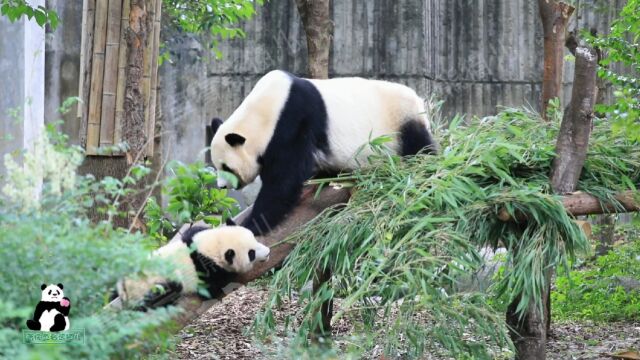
(316, 19)
(573, 140)
(555, 17)
(529, 333)
(606, 229)
(133, 124)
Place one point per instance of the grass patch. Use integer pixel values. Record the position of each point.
(596, 292)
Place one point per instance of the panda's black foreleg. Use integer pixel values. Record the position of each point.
(273, 203)
(59, 323)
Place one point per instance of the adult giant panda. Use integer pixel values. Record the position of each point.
(210, 257)
(289, 128)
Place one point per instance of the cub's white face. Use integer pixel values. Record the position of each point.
(234, 248)
(229, 153)
(52, 293)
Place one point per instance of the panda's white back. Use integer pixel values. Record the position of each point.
(360, 110)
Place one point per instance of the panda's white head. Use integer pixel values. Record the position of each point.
(240, 141)
(230, 153)
(233, 248)
(52, 293)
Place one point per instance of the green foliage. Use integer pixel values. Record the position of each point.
(49, 239)
(621, 47)
(15, 9)
(595, 292)
(192, 196)
(218, 18)
(412, 227)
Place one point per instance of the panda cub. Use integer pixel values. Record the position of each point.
(289, 128)
(52, 312)
(204, 256)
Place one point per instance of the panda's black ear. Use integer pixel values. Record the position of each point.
(215, 124)
(229, 255)
(60, 286)
(43, 286)
(230, 222)
(234, 139)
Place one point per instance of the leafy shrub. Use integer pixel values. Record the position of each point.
(192, 196)
(47, 237)
(620, 46)
(596, 293)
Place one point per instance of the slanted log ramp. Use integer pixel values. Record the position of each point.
(310, 206)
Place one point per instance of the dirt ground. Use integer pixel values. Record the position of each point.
(220, 333)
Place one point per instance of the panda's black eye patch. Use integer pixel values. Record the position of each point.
(229, 255)
(49, 292)
(252, 255)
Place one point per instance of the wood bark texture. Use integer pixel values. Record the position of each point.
(133, 121)
(580, 203)
(573, 140)
(316, 20)
(555, 18)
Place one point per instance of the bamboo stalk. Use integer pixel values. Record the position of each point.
(122, 65)
(154, 77)
(107, 120)
(86, 49)
(97, 77)
(146, 75)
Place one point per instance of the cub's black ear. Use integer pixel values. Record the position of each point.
(215, 124)
(43, 286)
(230, 222)
(60, 286)
(234, 139)
(229, 255)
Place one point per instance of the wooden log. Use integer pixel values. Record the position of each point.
(308, 208)
(580, 203)
(107, 120)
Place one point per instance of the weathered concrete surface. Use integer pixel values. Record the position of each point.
(11, 87)
(477, 55)
(62, 64)
(21, 90)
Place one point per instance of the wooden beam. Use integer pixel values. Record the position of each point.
(580, 203)
(308, 209)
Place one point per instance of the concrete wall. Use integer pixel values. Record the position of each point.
(477, 55)
(22, 46)
(62, 65)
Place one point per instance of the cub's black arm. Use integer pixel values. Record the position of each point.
(64, 310)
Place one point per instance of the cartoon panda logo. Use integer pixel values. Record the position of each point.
(52, 312)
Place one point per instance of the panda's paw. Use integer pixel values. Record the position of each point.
(65, 302)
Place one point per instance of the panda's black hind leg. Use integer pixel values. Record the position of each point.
(59, 323)
(414, 137)
(33, 325)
